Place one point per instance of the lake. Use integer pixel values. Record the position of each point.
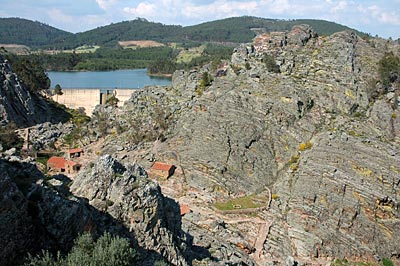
(132, 78)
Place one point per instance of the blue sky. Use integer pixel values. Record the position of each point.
(375, 17)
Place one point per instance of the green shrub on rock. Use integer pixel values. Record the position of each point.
(107, 250)
(270, 63)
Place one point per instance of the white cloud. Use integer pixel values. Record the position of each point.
(106, 4)
(277, 7)
(57, 14)
(142, 10)
(219, 9)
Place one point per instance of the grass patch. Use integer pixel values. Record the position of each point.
(246, 202)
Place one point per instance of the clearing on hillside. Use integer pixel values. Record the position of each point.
(141, 44)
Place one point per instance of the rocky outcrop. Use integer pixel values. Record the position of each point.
(40, 213)
(21, 106)
(311, 133)
(129, 197)
(44, 136)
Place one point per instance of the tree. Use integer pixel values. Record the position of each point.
(389, 69)
(58, 90)
(270, 63)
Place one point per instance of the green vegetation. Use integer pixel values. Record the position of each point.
(230, 30)
(247, 202)
(203, 83)
(387, 262)
(30, 71)
(107, 250)
(162, 67)
(8, 137)
(345, 262)
(31, 33)
(389, 69)
(270, 63)
(58, 90)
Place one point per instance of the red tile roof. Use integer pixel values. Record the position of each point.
(77, 150)
(56, 162)
(71, 163)
(184, 209)
(162, 166)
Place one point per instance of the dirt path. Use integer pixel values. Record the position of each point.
(262, 237)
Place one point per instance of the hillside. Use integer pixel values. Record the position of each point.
(243, 29)
(139, 29)
(30, 33)
(233, 30)
(287, 153)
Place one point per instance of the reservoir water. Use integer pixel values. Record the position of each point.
(132, 78)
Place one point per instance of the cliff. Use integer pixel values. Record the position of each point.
(20, 105)
(41, 213)
(319, 130)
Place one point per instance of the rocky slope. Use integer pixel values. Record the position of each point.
(21, 106)
(41, 213)
(322, 135)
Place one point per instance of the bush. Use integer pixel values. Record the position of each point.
(387, 262)
(389, 69)
(204, 83)
(8, 138)
(107, 250)
(305, 146)
(270, 63)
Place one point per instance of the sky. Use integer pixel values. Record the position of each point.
(380, 18)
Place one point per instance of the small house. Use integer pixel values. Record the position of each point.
(62, 165)
(184, 209)
(163, 170)
(73, 153)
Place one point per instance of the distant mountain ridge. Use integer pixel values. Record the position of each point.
(28, 32)
(234, 30)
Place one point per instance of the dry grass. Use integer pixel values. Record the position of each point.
(141, 44)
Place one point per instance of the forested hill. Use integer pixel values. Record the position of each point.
(242, 29)
(138, 29)
(236, 30)
(30, 33)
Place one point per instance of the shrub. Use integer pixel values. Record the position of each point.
(204, 83)
(294, 167)
(270, 63)
(8, 138)
(107, 250)
(387, 262)
(58, 90)
(305, 146)
(389, 69)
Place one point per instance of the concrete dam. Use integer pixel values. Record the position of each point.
(88, 98)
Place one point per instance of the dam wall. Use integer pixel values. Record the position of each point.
(123, 95)
(88, 98)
